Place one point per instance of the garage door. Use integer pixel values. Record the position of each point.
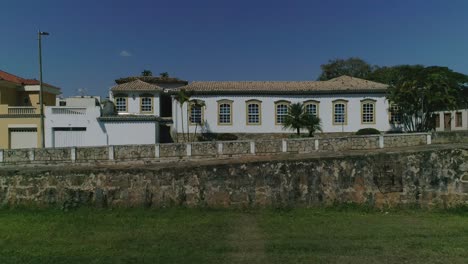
(23, 138)
(69, 136)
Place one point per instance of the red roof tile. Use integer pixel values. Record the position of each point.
(18, 80)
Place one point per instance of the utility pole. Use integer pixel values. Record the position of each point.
(41, 102)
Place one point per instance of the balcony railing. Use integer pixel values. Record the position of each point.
(69, 111)
(22, 110)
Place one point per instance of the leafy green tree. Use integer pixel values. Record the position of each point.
(295, 117)
(354, 67)
(421, 91)
(164, 75)
(146, 73)
(312, 123)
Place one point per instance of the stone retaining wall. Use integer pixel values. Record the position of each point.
(200, 150)
(426, 178)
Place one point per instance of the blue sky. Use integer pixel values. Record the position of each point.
(94, 42)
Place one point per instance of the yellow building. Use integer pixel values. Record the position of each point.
(20, 122)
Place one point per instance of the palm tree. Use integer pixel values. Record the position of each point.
(294, 118)
(199, 104)
(182, 97)
(146, 73)
(164, 75)
(312, 123)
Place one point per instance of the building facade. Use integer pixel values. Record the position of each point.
(451, 120)
(20, 119)
(343, 104)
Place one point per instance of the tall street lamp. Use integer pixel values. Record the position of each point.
(41, 102)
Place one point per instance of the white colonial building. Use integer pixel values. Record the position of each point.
(451, 120)
(343, 104)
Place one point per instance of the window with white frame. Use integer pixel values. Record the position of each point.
(311, 109)
(196, 115)
(121, 104)
(395, 115)
(281, 112)
(224, 113)
(339, 113)
(368, 112)
(253, 113)
(146, 104)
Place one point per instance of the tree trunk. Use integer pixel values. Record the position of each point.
(298, 131)
(182, 121)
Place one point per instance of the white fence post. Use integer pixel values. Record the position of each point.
(428, 139)
(220, 148)
(1, 155)
(111, 152)
(31, 155)
(252, 147)
(285, 145)
(316, 144)
(381, 141)
(189, 150)
(73, 154)
(157, 151)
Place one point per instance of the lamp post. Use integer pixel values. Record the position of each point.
(41, 102)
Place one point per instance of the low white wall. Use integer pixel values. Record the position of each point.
(129, 133)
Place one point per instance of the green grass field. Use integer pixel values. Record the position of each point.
(230, 236)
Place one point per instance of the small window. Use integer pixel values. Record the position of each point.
(121, 104)
(253, 112)
(437, 120)
(339, 112)
(368, 112)
(311, 108)
(196, 114)
(63, 103)
(146, 104)
(225, 112)
(458, 119)
(282, 110)
(395, 115)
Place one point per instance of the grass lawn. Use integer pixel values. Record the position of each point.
(230, 236)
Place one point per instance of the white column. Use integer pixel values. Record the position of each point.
(252, 147)
(111, 152)
(316, 144)
(381, 141)
(73, 154)
(428, 139)
(220, 148)
(284, 145)
(1, 155)
(31, 155)
(189, 150)
(157, 151)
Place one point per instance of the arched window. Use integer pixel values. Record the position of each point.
(146, 103)
(340, 112)
(368, 111)
(224, 112)
(312, 107)
(281, 111)
(121, 102)
(254, 112)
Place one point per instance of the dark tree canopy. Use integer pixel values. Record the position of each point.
(354, 67)
(146, 73)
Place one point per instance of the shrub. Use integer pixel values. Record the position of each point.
(227, 137)
(368, 131)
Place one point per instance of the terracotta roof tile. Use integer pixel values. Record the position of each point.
(340, 84)
(136, 85)
(18, 80)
